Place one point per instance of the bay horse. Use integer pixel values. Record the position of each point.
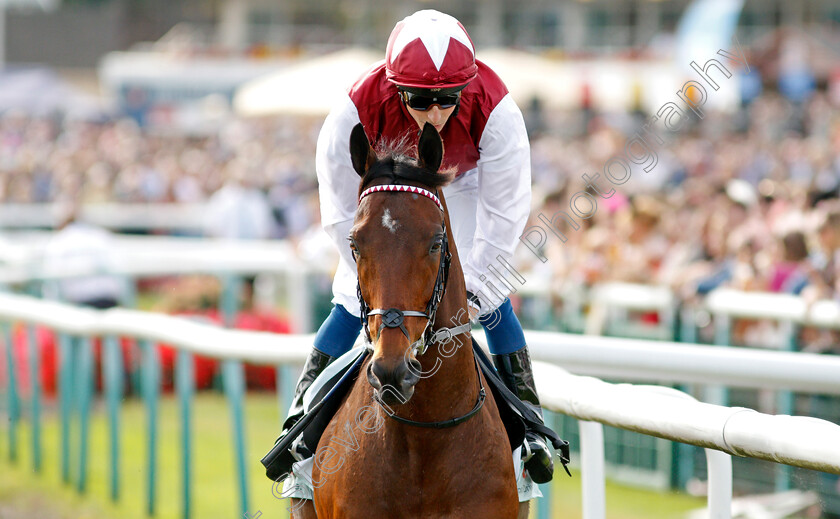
(432, 443)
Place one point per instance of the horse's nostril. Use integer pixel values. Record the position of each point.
(401, 377)
(413, 372)
(373, 378)
(378, 370)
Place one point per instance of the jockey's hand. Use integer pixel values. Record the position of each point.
(473, 314)
(474, 306)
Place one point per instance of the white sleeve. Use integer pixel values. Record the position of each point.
(504, 200)
(338, 187)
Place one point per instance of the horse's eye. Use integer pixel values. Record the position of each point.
(437, 246)
(353, 247)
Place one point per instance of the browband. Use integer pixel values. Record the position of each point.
(402, 188)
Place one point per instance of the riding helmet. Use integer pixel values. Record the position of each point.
(430, 49)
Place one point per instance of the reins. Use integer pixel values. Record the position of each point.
(443, 424)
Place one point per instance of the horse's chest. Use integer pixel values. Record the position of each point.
(393, 472)
(398, 491)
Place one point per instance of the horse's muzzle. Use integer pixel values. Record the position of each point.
(395, 385)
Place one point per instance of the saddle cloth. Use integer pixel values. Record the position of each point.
(323, 398)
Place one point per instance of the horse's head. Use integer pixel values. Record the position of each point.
(401, 247)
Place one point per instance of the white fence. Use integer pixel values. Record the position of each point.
(137, 257)
(21, 258)
(799, 441)
(139, 217)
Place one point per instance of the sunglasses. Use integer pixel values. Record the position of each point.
(424, 102)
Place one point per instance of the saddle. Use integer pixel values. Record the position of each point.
(516, 417)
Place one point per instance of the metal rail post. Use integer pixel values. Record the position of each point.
(723, 336)
(151, 394)
(593, 474)
(185, 384)
(84, 391)
(234, 384)
(66, 382)
(112, 356)
(785, 405)
(35, 394)
(13, 397)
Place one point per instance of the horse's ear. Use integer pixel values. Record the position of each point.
(430, 148)
(361, 154)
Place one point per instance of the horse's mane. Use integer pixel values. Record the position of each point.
(395, 161)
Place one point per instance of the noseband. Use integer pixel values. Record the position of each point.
(395, 317)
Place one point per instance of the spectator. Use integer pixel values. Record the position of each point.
(238, 211)
(84, 248)
(789, 275)
(825, 272)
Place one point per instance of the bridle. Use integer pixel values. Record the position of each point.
(395, 317)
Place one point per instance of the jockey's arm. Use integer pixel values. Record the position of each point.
(338, 187)
(504, 199)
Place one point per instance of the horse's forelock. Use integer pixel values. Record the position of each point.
(400, 152)
(400, 148)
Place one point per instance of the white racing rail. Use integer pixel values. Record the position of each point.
(139, 217)
(674, 362)
(798, 441)
(778, 307)
(21, 258)
(137, 257)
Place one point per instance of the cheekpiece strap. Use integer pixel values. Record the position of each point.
(445, 335)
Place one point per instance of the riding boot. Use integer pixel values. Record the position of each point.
(315, 364)
(515, 370)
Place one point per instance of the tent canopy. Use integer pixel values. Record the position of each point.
(310, 87)
(40, 91)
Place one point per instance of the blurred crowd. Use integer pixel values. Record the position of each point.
(255, 164)
(747, 200)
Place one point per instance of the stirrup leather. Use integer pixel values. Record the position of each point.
(278, 464)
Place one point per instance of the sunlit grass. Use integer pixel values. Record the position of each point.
(26, 494)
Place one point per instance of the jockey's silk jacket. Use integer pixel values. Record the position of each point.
(486, 142)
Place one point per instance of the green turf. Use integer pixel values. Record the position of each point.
(25, 494)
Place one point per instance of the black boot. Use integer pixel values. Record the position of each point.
(315, 364)
(281, 465)
(515, 370)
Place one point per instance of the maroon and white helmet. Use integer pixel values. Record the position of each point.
(430, 49)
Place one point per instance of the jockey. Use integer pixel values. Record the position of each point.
(430, 74)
